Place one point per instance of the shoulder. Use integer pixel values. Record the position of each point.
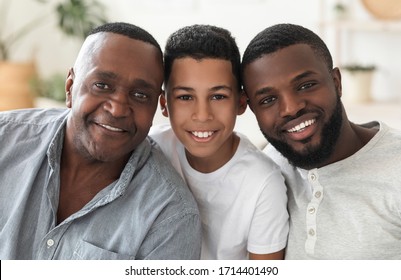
(163, 134)
(275, 155)
(166, 176)
(386, 137)
(289, 171)
(390, 133)
(256, 168)
(31, 123)
(259, 160)
(37, 117)
(167, 142)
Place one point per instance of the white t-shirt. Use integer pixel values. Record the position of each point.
(243, 204)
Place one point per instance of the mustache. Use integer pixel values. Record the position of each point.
(299, 114)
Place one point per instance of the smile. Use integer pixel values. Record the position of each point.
(111, 128)
(300, 127)
(202, 134)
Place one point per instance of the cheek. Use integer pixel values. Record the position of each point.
(227, 113)
(80, 109)
(179, 112)
(144, 117)
(265, 120)
(83, 101)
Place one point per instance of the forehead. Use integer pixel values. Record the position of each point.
(202, 70)
(118, 53)
(286, 62)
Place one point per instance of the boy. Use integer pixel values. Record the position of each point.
(240, 192)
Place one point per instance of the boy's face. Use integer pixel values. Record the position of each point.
(202, 101)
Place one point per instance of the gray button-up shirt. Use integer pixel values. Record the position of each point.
(148, 213)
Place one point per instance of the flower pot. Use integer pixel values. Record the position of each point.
(15, 85)
(357, 86)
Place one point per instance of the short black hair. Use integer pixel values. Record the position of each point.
(129, 30)
(284, 35)
(202, 41)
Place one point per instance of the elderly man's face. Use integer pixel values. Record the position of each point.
(113, 94)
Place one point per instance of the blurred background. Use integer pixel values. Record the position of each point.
(364, 37)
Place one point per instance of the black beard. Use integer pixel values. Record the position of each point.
(312, 157)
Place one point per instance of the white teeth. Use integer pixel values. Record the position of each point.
(202, 134)
(111, 128)
(301, 126)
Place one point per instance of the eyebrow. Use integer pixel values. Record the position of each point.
(303, 75)
(182, 88)
(221, 87)
(215, 88)
(106, 74)
(263, 91)
(144, 84)
(297, 78)
(138, 82)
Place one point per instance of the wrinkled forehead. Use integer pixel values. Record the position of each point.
(120, 54)
(113, 44)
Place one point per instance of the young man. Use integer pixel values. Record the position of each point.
(86, 182)
(344, 179)
(240, 192)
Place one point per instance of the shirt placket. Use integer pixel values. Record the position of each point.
(311, 211)
(51, 242)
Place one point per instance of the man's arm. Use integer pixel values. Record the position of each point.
(273, 256)
(176, 238)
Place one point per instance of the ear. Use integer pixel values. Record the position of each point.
(336, 74)
(248, 102)
(242, 103)
(68, 87)
(163, 104)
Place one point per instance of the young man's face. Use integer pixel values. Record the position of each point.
(113, 92)
(202, 103)
(296, 100)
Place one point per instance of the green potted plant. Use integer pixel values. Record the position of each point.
(357, 82)
(354, 68)
(74, 18)
(340, 10)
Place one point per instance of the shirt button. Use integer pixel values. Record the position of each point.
(312, 177)
(311, 210)
(311, 232)
(50, 242)
(318, 194)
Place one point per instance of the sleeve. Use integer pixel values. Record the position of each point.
(269, 227)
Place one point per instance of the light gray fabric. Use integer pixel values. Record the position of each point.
(148, 213)
(350, 209)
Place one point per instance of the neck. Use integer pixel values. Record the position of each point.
(78, 167)
(352, 138)
(81, 179)
(213, 162)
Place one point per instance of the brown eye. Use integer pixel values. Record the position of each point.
(184, 97)
(140, 96)
(306, 86)
(268, 100)
(218, 97)
(102, 86)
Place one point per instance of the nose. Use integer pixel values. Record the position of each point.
(202, 111)
(118, 104)
(291, 104)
